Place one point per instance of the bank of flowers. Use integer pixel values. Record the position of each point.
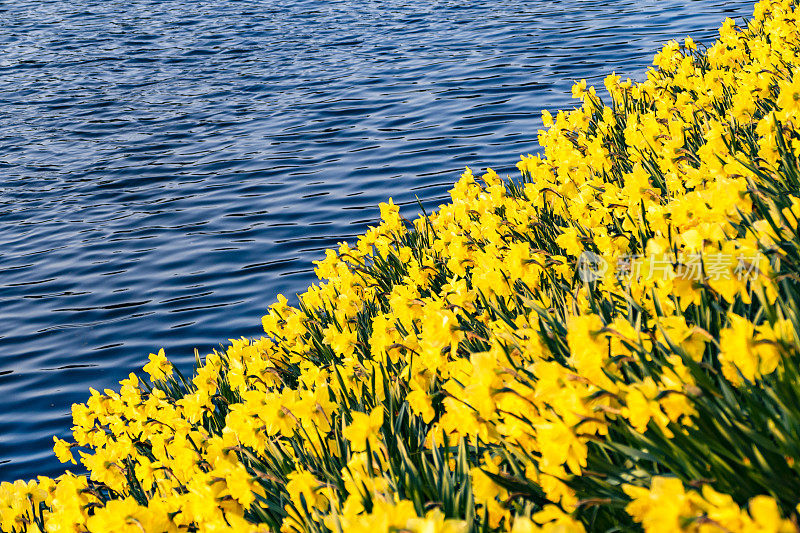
(607, 342)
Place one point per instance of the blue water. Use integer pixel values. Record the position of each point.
(168, 167)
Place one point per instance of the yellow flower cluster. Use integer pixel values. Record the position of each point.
(500, 365)
(666, 507)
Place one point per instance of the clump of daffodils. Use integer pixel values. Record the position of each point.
(610, 342)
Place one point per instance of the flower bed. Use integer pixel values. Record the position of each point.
(610, 341)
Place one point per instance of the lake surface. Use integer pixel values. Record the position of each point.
(167, 167)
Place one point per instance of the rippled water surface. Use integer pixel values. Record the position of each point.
(167, 167)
